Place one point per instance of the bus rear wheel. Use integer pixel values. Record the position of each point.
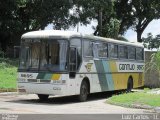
(84, 91)
(129, 85)
(43, 97)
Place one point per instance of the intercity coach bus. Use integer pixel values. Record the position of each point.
(68, 63)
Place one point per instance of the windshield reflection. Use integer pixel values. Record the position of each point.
(47, 55)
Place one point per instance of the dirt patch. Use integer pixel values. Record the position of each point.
(8, 90)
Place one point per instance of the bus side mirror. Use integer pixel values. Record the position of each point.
(72, 62)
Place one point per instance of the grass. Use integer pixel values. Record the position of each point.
(8, 74)
(136, 99)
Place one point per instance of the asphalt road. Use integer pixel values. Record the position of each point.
(30, 104)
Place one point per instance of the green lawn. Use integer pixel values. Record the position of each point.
(8, 74)
(137, 98)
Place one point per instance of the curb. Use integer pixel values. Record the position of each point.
(139, 106)
(157, 109)
(8, 93)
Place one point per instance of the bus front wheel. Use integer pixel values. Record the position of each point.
(43, 97)
(84, 91)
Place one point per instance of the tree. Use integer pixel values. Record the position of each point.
(37, 14)
(151, 42)
(7, 21)
(136, 14)
(20, 16)
(100, 10)
(123, 13)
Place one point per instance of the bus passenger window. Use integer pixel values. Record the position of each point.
(131, 53)
(113, 51)
(73, 59)
(88, 49)
(95, 50)
(76, 42)
(139, 53)
(123, 52)
(103, 50)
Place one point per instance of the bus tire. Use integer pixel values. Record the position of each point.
(130, 84)
(43, 97)
(84, 91)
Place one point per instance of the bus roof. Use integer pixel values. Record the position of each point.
(67, 34)
(113, 41)
(50, 34)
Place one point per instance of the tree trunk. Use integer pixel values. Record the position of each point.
(3, 45)
(139, 34)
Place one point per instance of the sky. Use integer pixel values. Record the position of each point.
(153, 27)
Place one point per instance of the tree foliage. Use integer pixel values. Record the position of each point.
(113, 16)
(151, 42)
(87, 10)
(20, 16)
(136, 14)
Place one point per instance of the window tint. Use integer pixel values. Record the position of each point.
(131, 52)
(123, 52)
(76, 42)
(139, 53)
(103, 50)
(95, 50)
(113, 50)
(88, 48)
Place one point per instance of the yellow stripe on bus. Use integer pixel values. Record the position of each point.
(56, 76)
(113, 66)
(120, 80)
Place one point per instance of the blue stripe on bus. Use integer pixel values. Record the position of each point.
(108, 76)
(102, 77)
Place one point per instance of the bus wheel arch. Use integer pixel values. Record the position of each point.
(86, 79)
(42, 97)
(84, 90)
(130, 84)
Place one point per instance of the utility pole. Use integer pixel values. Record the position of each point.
(100, 22)
(78, 27)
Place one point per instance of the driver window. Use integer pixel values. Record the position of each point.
(76, 42)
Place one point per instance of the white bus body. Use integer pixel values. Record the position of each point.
(68, 63)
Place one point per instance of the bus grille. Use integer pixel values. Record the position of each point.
(39, 81)
(32, 80)
(45, 81)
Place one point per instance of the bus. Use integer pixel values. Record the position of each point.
(66, 63)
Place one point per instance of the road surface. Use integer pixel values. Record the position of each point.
(30, 104)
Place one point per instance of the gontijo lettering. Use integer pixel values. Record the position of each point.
(126, 67)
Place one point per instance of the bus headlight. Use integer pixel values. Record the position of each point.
(63, 81)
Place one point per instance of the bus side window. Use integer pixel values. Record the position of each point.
(95, 50)
(131, 52)
(103, 50)
(139, 54)
(113, 50)
(88, 48)
(76, 42)
(123, 52)
(73, 62)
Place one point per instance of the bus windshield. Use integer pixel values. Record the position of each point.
(44, 55)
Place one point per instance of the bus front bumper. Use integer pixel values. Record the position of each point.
(39, 88)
